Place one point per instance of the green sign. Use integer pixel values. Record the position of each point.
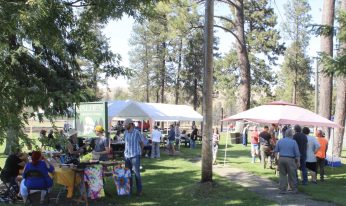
(88, 116)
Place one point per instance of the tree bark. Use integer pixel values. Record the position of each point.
(326, 87)
(163, 72)
(177, 86)
(12, 141)
(340, 105)
(243, 58)
(195, 94)
(340, 114)
(207, 167)
(147, 72)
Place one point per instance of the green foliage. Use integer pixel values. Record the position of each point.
(295, 74)
(297, 20)
(41, 46)
(263, 50)
(162, 50)
(296, 61)
(337, 66)
(192, 74)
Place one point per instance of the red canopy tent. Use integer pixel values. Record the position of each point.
(280, 112)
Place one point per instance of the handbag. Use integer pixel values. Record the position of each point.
(122, 180)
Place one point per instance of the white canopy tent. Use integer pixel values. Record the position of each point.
(153, 111)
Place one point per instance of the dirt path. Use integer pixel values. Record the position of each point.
(265, 187)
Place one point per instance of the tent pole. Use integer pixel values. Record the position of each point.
(167, 127)
(224, 159)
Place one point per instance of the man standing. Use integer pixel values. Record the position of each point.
(177, 135)
(254, 144)
(132, 153)
(193, 137)
(321, 153)
(156, 139)
(289, 160)
(312, 148)
(302, 142)
(245, 134)
(265, 145)
(171, 140)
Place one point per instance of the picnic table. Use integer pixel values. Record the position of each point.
(71, 176)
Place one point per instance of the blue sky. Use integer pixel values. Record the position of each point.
(119, 33)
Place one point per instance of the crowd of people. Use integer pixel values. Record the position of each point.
(291, 150)
(137, 144)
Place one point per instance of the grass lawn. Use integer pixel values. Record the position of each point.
(175, 181)
(332, 190)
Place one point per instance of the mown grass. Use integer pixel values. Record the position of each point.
(176, 181)
(332, 190)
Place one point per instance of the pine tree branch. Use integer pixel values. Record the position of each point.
(72, 3)
(228, 30)
(225, 19)
(228, 2)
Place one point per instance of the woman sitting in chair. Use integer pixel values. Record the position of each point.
(35, 176)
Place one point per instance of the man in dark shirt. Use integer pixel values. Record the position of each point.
(194, 136)
(264, 140)
(13, 164)
(302, 142)
(171, 140)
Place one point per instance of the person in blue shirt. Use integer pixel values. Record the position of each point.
(39, 163)
(289, 159)
(132, 153)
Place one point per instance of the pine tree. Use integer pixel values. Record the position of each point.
(295, 74)
(257, 49)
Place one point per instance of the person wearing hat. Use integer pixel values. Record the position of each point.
(73, 149)
(132, 153)
(102, 145)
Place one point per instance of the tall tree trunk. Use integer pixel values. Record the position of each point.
(243, 58)
(157, 95)
(207, 167)
(340, 105)
(327, 48)
(195, 94)
(147, 73)
(340, 114)
(177, 86)
(12, 141)
(163, 72)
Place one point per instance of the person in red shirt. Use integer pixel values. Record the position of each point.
(254, 144)
(321, 153)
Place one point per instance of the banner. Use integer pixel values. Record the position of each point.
(88, 115)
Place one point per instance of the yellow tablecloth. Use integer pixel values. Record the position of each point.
(65, 176)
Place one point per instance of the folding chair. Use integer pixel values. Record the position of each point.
(36, 175)
(11, 190)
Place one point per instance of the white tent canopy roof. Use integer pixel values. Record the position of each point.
(154, 111)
